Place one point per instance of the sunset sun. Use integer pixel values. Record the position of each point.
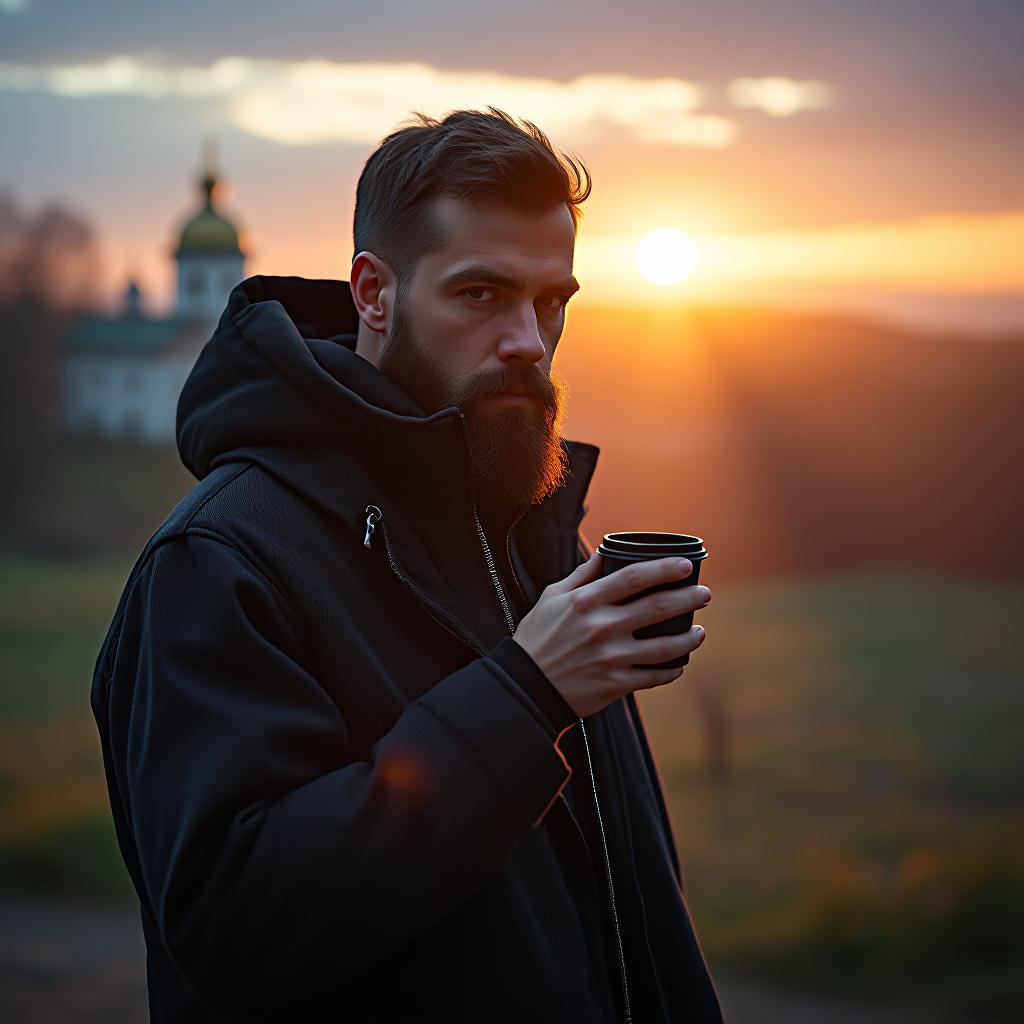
(665, 256)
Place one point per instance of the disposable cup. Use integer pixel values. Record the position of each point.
(617, 550)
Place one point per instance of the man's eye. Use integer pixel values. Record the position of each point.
(553, 305)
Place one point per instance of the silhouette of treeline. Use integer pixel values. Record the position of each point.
(798, 444)
(49, 268)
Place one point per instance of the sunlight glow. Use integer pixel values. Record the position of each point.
(665, 256)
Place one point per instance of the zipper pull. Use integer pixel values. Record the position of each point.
(372, 519)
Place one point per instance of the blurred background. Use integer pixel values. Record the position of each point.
(799, 336)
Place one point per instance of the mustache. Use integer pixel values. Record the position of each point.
(535, 384)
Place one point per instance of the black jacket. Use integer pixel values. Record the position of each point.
(342, 790)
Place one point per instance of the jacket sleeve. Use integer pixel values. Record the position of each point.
(530, 676)
(272, 860)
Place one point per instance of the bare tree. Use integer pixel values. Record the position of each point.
(713, 714)
(50, 257)
(49, 268)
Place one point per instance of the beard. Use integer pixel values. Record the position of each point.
(515, 448)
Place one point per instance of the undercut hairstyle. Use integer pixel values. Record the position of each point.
(470, 154)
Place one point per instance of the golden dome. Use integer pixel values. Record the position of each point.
(208, 231)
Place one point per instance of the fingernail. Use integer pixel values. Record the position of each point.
(700, 630)
(685, 566)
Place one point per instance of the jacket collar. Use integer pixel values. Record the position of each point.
(280, 384)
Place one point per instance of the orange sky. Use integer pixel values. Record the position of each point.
(859, 157)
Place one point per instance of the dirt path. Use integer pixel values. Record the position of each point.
(64, 963)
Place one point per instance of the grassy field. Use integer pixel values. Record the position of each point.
(56, 831)
(868, 836)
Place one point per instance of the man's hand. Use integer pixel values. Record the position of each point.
(582, 639)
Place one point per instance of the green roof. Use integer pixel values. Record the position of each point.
(125, 334)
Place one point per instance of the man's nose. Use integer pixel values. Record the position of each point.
(522, 338)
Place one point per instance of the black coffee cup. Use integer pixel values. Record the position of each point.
(618, 550)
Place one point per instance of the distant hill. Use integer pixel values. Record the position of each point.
(794, 444)
(800, 444)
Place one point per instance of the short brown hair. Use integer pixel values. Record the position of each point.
(470, 153)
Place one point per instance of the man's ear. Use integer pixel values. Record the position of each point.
(373, 290)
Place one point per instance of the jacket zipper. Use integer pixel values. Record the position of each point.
(494, 572)
(371, 523)
(611, 884)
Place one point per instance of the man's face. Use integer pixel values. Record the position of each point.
(483, 316)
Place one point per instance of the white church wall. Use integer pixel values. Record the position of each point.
(124, 397)
(205, 281)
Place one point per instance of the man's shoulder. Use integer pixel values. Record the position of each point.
(233, 502)
(209, 526)
(226, 505)
(282, 524)
(217, 490)
(244, 496)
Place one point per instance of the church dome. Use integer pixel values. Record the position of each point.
(208, 231)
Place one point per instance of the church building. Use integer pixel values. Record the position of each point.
(122, 374)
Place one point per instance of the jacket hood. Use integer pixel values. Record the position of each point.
(279, 384)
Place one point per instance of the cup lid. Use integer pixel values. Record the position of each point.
(653, 544)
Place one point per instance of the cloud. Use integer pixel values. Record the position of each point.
(311, 101)
(778, 96)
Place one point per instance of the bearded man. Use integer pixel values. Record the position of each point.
(366, 703)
